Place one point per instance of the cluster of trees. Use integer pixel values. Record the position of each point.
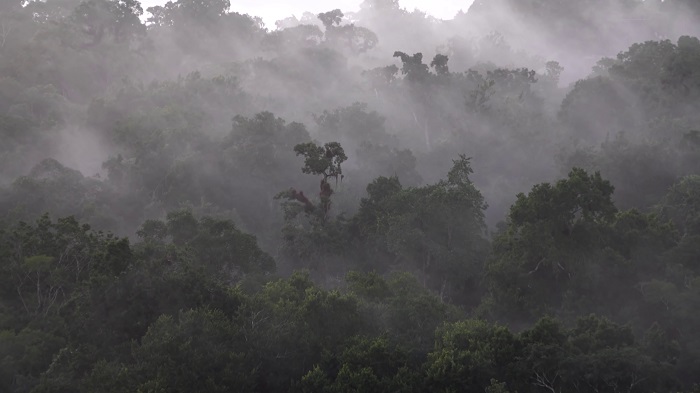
(194, 305)
(192, 202)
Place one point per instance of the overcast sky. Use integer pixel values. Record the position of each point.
(273, 10)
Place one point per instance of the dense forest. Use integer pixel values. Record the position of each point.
(376, 201)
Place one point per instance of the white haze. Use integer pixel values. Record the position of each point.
(273, 10)
(301, 79)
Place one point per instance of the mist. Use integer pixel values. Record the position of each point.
(348, 183)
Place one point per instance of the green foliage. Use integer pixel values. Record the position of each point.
(322, 160)
(682, 204)
(263, 142)
(354, 124)
(25, 355)
(185, 12)
(368, 365)
(176, 327)
(579, 198)
(650, 82)
(435, 230)
(215, 245)
(314, 236)
(47, 262)
(413, 66)
(368, 285)
(565, 243)
(174, 130)
(194, 353)
(468, 355)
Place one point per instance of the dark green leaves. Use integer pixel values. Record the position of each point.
(322, 160)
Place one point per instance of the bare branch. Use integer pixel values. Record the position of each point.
(542, 380)
(636, 380)
(5, 30)
(536, 267)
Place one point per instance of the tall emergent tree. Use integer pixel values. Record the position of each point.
(318, 160)
(311, 236)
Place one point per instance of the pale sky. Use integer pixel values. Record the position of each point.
(273, 10)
